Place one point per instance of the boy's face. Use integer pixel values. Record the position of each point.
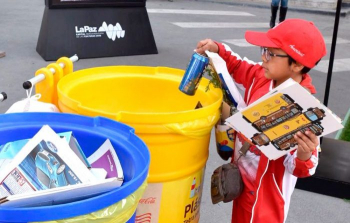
(277, 68)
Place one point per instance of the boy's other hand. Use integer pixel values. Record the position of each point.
(207, 44)
(307, 143)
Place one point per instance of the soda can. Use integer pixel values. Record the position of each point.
(193, 74)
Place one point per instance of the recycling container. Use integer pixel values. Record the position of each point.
(175, 127)
(118, 205)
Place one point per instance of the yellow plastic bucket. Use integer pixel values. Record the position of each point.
(177, 134)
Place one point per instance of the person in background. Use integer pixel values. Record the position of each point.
(274, 9)
(289, 50)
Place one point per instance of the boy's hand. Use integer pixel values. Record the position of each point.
(307, 143)
(207, 44)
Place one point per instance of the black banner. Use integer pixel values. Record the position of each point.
(95, 32)
(93, 3)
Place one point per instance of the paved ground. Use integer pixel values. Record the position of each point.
(292, 6)
(176, 36)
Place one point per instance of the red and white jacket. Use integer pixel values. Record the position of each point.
(268, 183)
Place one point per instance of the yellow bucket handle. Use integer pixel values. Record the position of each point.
(56, 77)
(45, 87)
(67, 64)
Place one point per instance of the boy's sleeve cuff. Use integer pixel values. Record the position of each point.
(301, 162)
(302, 167)
(219, 46)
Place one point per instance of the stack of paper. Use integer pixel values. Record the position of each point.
(51, 168)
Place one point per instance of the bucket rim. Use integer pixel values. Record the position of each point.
(71, 80)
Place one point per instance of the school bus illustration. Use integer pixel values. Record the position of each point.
(267, 107)
(277, 117)
(287, 141)
(282, 135)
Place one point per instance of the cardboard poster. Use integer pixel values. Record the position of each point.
(271, 122)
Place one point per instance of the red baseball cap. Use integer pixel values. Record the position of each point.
(299, 38)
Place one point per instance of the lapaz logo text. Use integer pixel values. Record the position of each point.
(112, 31)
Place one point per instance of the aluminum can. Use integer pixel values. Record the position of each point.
(193, 74)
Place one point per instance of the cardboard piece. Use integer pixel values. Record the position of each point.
(271, 122)
(229, 86)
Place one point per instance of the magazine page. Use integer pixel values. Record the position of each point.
(9, 150)
(74, 145)
(45, 162)
(99, 173)
(271, 122)
(60, 195)
(105, 157)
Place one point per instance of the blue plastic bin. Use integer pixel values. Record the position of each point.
(90, 133)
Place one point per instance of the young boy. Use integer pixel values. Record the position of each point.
(289, 50)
